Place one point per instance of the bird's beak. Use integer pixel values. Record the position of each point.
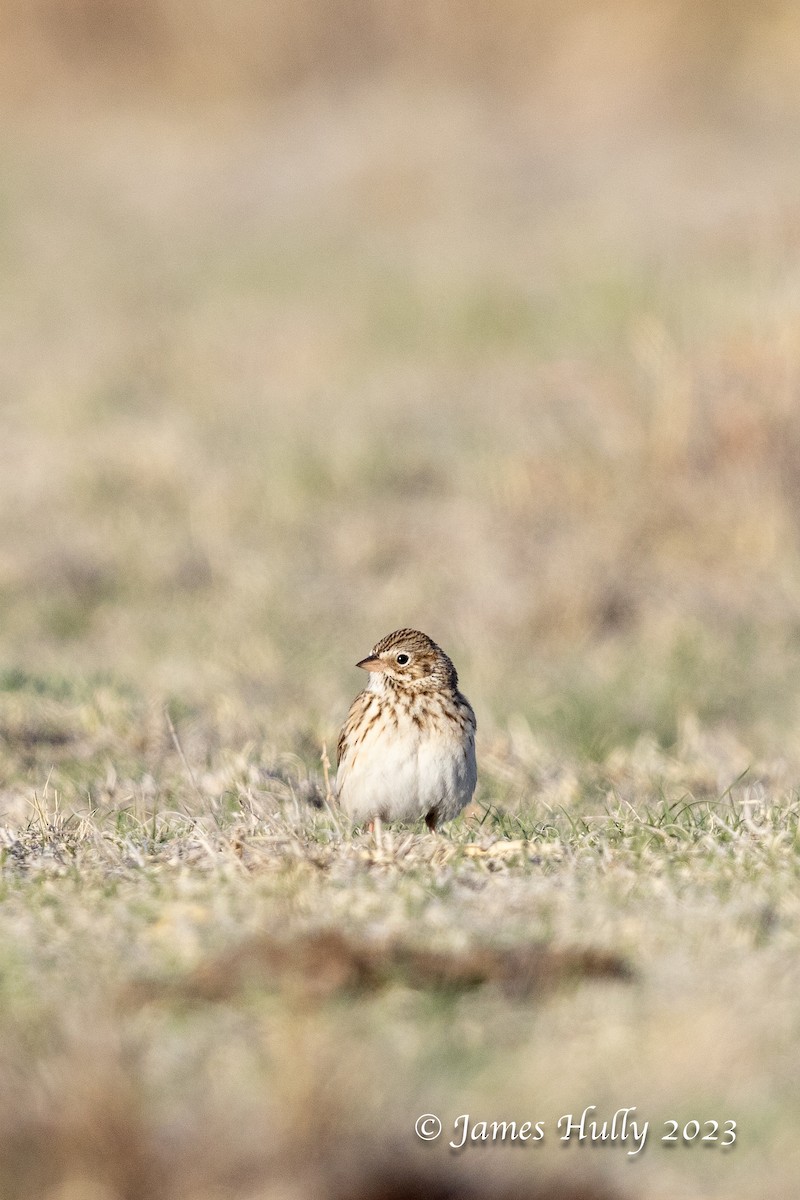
(370, 664)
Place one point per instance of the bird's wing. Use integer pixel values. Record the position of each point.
(355, 718)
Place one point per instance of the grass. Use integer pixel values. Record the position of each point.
(297, 351)
(138, 885)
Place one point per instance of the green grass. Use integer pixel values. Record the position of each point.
(108, 883)
(94, 904)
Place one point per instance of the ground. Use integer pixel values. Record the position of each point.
(286, 366)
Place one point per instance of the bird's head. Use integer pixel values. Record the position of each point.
(409, 660)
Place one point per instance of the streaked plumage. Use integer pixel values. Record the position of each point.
(407, 748)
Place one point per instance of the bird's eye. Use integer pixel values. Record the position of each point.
(402, 659)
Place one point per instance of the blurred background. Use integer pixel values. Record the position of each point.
(322, 319)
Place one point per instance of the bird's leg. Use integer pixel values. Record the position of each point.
(376, 827)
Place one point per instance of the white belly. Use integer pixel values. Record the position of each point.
(405, 776)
